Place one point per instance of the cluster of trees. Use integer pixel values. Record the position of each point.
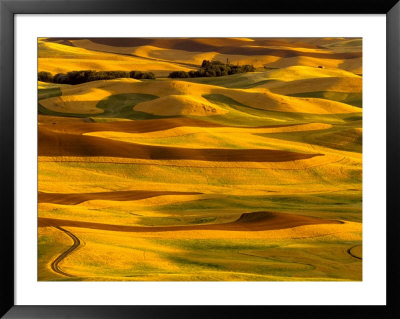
(207, 69)
(213, 68)
(142, 75)
(78, 77)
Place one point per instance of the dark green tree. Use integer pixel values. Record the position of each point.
(45, 76)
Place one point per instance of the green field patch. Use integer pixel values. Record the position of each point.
(354, 99)
(161, 221)
(216, 245)
(50, 92)
(171, 220)
(118, 106)
(313, 259)
(236, 81)
(340, 137)
(102, 175)
(44, 111)
(193, 263)
(343, 206)
(243, 115)
(121, 106)
(353, 118)
(203, 220)
(229, 103)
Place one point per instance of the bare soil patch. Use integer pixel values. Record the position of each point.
(257, 221)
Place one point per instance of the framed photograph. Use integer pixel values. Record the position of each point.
(163, 159)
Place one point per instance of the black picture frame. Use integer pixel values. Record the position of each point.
(9, 8)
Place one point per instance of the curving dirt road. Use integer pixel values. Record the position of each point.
(55, 264)
(352, 254)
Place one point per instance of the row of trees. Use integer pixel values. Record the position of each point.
(213, 68)
(207, 69)
(78, 77)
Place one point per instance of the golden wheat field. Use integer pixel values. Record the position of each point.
(201, 159)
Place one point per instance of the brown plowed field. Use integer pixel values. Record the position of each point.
(61, 144)
(256, 221)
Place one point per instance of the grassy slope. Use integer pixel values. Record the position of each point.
(210, 259)
(158, 50)
(187, 97)
(48, 93)
(59, 58)
(348, 98)
(243, 115)
(273, 77)
(121, 106)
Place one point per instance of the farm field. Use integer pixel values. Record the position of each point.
(252, 176)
